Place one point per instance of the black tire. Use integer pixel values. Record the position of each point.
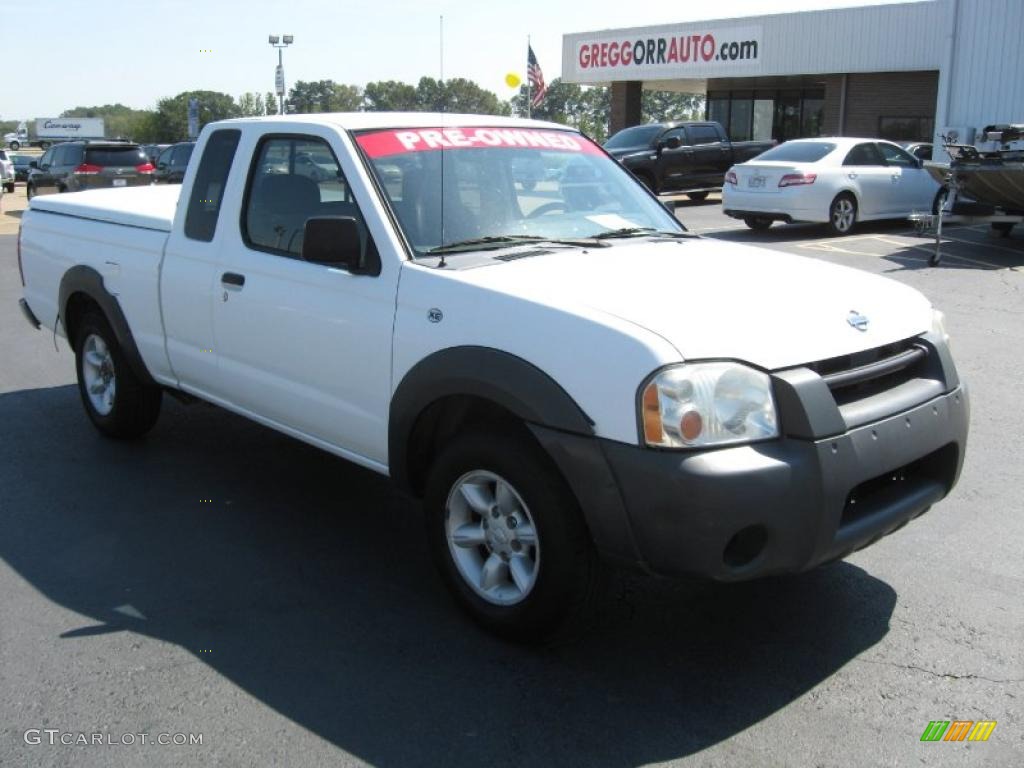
(9, 187)
(568, 577)
(135, 404)
(697, 197)
(842, 214)
(15, 146)
(940, 201)
(1002, 228)
(758, 223)
(30, 191)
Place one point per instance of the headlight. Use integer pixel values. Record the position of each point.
(708, 404)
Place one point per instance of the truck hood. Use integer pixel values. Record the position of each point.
(713, 299)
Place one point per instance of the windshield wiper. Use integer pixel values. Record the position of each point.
(500, 240)
(508, 241)
(641, 232)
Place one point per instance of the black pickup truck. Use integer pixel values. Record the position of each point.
(681, 156)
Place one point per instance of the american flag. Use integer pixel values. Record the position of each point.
(535, 78)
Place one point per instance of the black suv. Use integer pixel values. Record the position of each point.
(171, 165)
(77, 165)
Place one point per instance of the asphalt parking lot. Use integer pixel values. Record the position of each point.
(220, 579)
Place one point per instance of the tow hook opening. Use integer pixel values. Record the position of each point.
(745, 546)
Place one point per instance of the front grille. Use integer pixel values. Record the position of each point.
(860, 375)
(876, 494)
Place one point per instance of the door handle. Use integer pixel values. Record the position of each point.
(233, 278)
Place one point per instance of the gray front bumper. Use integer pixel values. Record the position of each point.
(840, 478)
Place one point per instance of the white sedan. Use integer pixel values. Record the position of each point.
(835, 181)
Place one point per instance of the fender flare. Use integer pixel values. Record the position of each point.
(509, 381)
(86, 280)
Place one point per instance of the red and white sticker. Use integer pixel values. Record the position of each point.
(397, 142)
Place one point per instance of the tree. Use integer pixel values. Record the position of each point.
(119, 121)
(325, 96)
(458, 95)
(390, 96)
(251, 105)
(270, 101)
(566, 103)
(661, 106)
(172, 113)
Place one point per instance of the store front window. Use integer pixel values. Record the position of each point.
(769, 114)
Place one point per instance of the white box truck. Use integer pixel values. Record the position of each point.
(53, 130)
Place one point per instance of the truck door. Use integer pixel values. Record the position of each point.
(300, 344)
(192, 266)
(711, 157)
(675, 161)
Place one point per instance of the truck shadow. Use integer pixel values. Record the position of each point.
(309, 579)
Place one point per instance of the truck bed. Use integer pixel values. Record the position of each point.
(142, 207)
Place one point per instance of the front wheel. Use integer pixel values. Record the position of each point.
(508, 536)
(758, 223)
(30, 191)
(842, 214)
(117, 402)
(1002, 228)
(697, 197)
(9, 187)
(15, 145)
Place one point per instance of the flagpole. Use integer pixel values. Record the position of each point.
(529, 100)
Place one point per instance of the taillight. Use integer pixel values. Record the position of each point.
(145, 168)
(21, 271)
(796, 179)
(87, 169)
(730, 178)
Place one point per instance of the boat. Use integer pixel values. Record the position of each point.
(990, 172)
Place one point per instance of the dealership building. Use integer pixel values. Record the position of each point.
(909, 71)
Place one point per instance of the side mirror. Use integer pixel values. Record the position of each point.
(335, 241)
(672, 142)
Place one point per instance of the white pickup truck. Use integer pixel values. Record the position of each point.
(557, 368)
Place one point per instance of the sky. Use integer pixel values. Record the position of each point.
(138, 52)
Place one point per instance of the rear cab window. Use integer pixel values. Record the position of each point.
(703, 134)
(208, 188)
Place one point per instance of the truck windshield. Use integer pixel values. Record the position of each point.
(637, 136)
(493, 187)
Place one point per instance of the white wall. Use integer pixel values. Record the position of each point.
(987, 80)
(884, 38)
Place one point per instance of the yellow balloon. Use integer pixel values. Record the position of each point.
(512, 80)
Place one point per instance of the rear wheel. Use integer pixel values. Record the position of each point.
(30, 191)
(1002, 227)
(758, 223)
(15, 145)
(508, 536)
(842, 214)
(697, 196)
(117, 402)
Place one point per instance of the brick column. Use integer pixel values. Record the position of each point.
(625, 105)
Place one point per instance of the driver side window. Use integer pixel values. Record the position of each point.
(896, 157)
(864, 154)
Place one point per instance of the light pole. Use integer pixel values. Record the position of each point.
(280, 43)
